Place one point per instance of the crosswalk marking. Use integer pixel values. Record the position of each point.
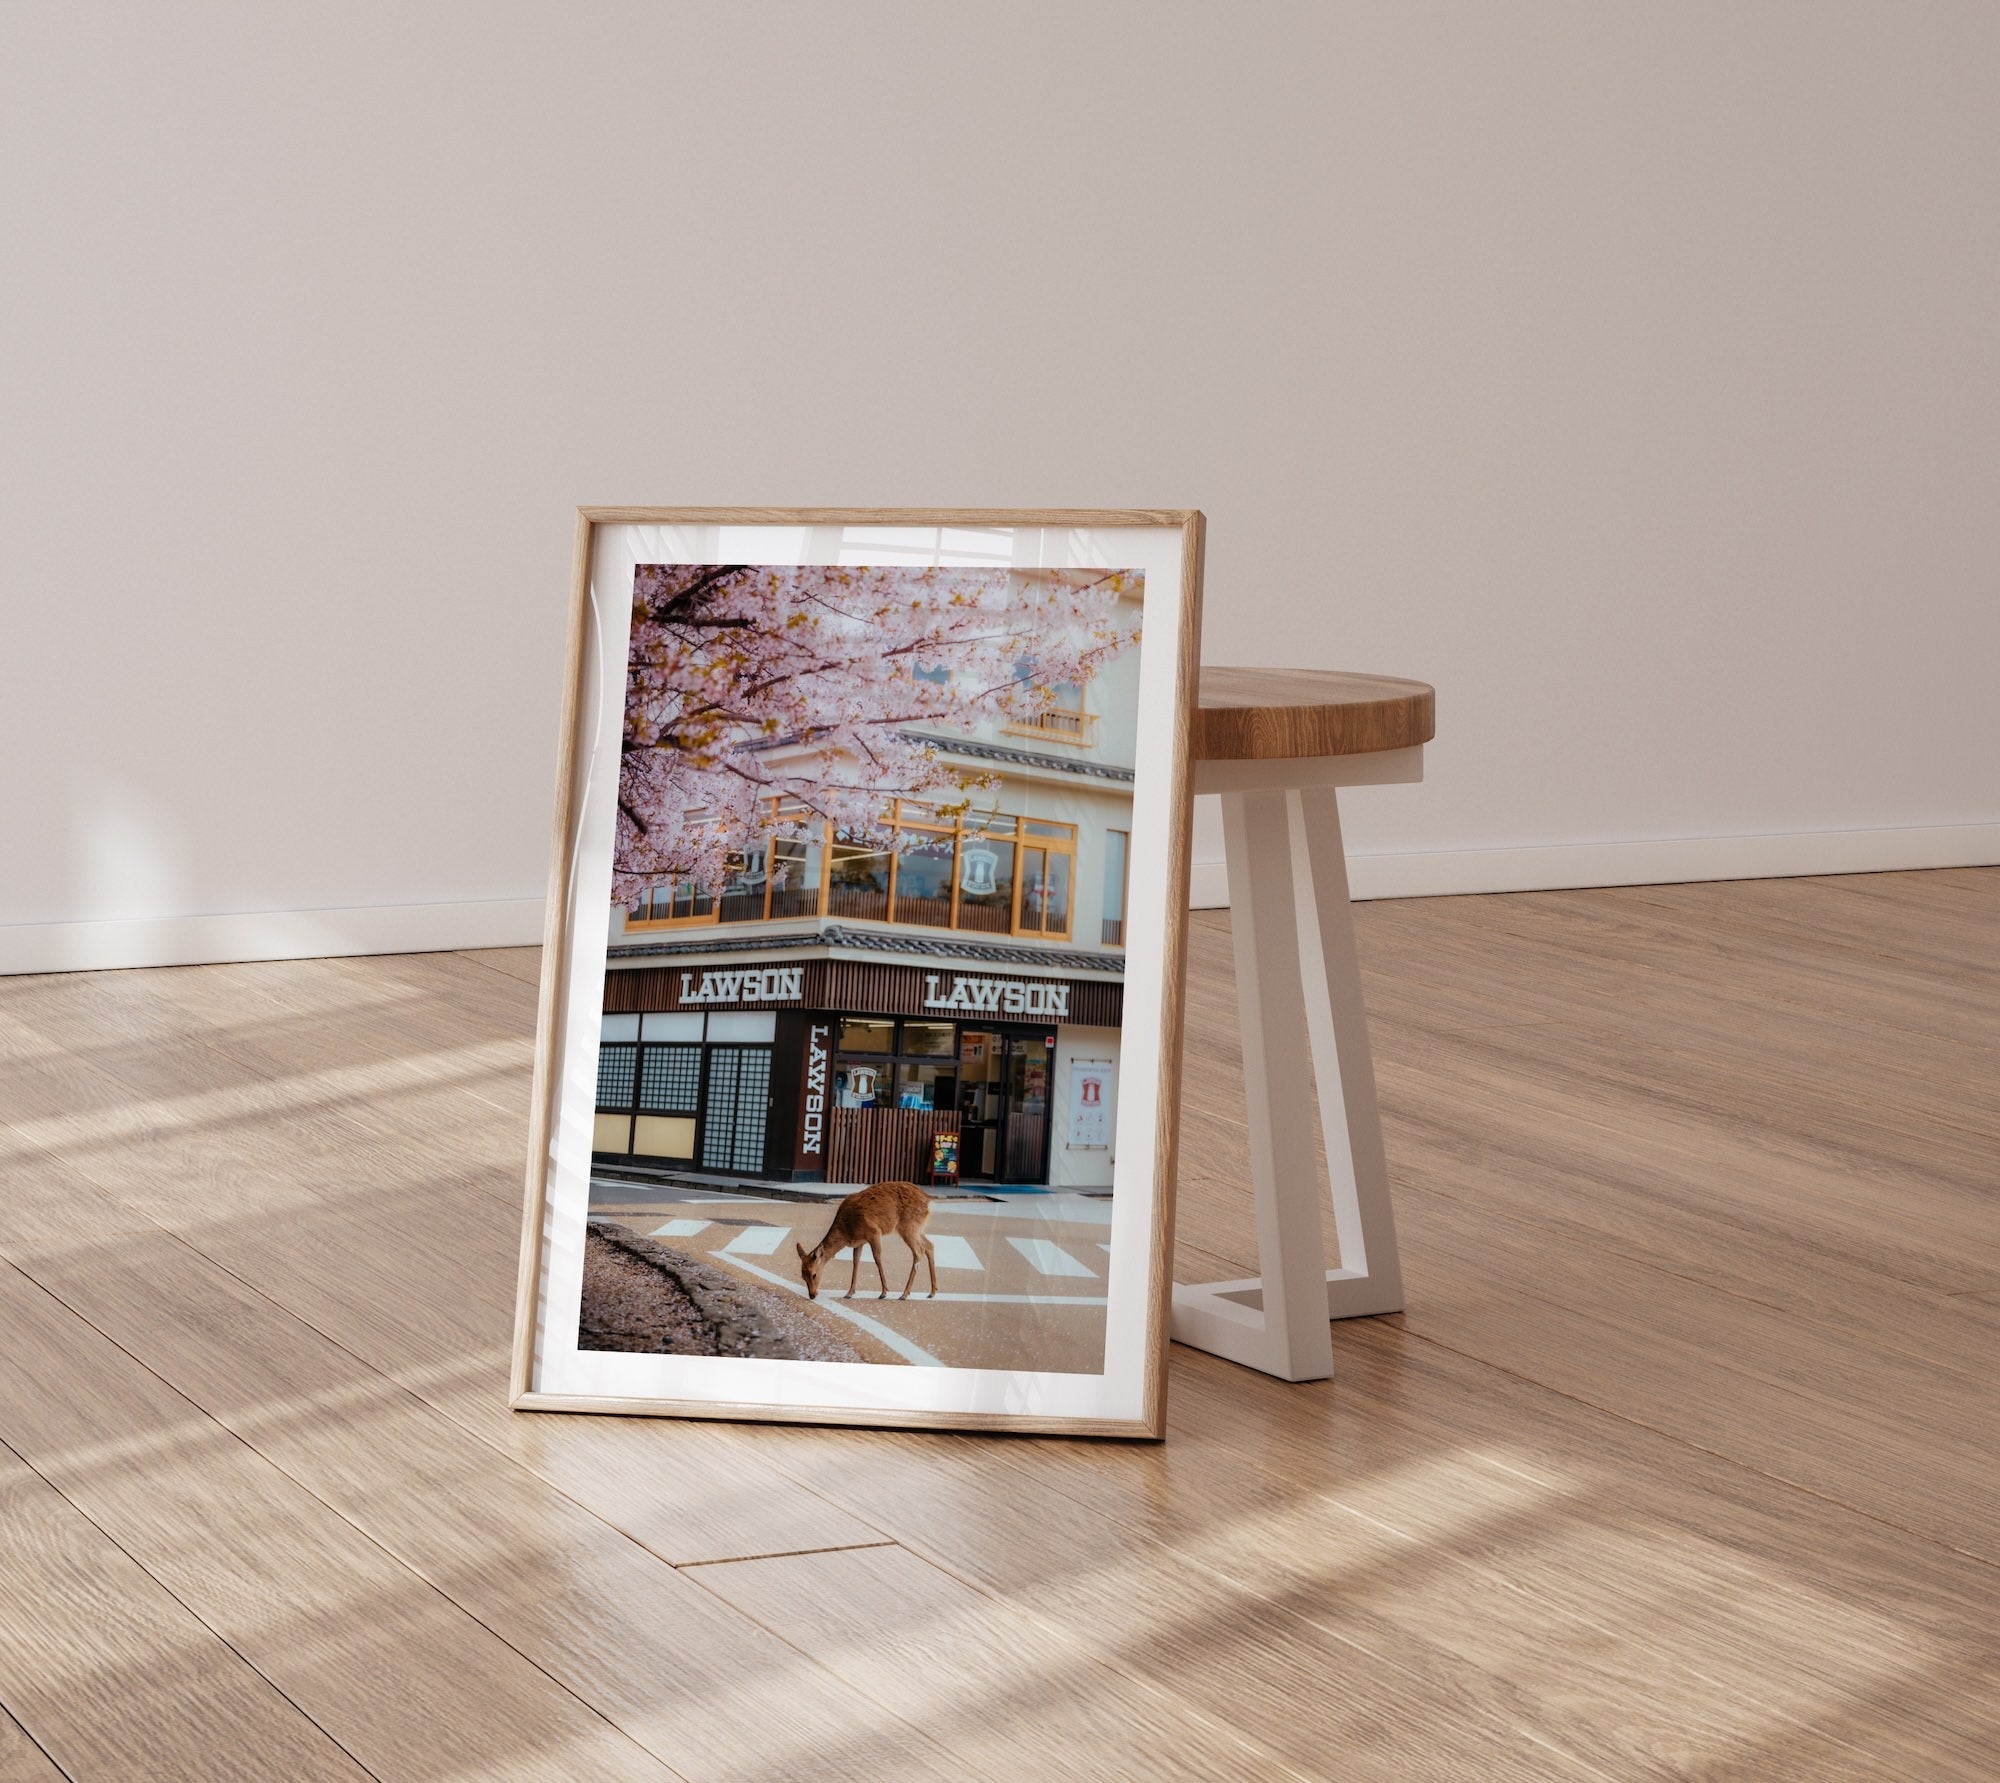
(1049, 1258)
(757, 1241)
(1105, 1248)
(952, 1253)
(1043, 1255)
(955, 1253)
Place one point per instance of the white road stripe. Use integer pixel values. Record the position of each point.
(757, 1241)
(917, 1293)
(834, 1299)
(680, 1229)
(1049, 1258)
(894, 1339)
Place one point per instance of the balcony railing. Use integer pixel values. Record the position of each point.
(1056, 725)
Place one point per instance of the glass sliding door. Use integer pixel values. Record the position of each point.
(1027, 1135)
(736, 1109)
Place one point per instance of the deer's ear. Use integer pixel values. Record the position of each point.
(801, 1249)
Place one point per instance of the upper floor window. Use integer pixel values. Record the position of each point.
(996, 873)
(1117, 850)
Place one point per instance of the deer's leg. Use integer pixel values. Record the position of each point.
(854, 1273)
(881, 1280)
(912, 1239)
(930, 1257)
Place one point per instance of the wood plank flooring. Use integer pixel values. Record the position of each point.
(1680, 1464)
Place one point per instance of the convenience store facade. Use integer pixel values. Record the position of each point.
(841, 1055)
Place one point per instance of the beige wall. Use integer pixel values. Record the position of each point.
(1627, 370)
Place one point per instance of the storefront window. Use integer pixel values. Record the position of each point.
(911, 1065)
(861, 1034)
(929, 1040)
(863, 1083)
(926, 1087)
(898, 1082)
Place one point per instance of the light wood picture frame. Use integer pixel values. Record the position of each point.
(863, 969)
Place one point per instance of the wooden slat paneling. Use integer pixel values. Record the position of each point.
(884, 1144)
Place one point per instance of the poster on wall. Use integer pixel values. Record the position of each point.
(846, 803)
(1090, 1083)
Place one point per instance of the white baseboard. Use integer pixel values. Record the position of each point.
(1455, 871)
(268, 935)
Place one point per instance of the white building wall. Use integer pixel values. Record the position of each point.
(1074, 1167)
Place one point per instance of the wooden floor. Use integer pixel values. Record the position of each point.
(1681, 1463)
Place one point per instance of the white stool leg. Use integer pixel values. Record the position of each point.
(1298, 987)
(1370, 1277)
(1278, 1321)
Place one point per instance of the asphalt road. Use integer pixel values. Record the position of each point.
(1021, 1280)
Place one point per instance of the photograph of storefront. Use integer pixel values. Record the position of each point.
(868, 925)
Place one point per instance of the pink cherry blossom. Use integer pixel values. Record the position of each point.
(812, 686)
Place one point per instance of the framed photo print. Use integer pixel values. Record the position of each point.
(856, 1077)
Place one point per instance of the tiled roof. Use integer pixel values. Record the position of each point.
(1000, 752)
(846, 940)
(1026, 758)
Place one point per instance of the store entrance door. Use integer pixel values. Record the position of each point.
(1003, 1100)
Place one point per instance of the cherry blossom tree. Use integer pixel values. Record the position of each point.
(813, 687)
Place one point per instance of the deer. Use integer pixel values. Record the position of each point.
(864, 1218)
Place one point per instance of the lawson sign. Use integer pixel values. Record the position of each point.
(812, 1125)
(772, 984)
(996, 996)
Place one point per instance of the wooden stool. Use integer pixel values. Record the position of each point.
(1275, 743)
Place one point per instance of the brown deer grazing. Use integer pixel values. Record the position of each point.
(863, 1218)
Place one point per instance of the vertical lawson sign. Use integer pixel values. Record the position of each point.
(812, 1117)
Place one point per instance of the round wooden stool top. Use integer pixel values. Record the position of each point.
(1282, 714)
